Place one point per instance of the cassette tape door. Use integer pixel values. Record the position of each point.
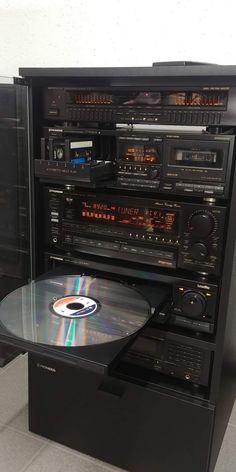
(15, 214)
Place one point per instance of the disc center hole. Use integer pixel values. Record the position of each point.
(75, 306)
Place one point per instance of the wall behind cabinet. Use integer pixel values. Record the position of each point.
(86, 33)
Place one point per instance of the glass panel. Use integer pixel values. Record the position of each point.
(15, 246)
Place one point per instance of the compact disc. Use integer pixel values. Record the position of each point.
(74, 311)
(75, 306)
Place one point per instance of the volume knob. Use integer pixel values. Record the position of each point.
(193, 304)
(201, 224)
(199, 251)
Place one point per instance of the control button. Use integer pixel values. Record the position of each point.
(193, 304)
(178, 117)
(125, 248)
(53, 111)
(167, 187)
(209, 190)
(154, 173)
(112, 246)
(199, 251)
(189, 118)
(212, 118)
(201, 224)
(91, 242)
(198, 188)
(188, 189)
(68, 238)
(87, 242)
(115, 247)
(54, 240)
(219, 189)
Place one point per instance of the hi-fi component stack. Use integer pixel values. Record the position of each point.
(131, 249)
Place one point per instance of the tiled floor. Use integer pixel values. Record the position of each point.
(22, 451)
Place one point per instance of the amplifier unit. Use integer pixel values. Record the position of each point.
(156, 232)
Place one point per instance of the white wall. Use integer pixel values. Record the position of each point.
(114, 32)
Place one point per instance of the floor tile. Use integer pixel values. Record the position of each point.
(56, 459)
(20, 420)
(16, 450)
(227, 457)
(232, 419)
(105, 466)
(13, 389)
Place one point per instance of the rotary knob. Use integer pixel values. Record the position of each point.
(193, 304)
(154, 173)
(201, 224)
(199, 251)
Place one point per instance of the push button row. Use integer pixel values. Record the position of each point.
(147, 252)
(153, 238)
(199, 188)
(95, 243)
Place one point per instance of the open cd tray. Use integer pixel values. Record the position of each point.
(98, 357)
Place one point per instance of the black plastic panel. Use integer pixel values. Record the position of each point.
(14, 184)
(127, 425)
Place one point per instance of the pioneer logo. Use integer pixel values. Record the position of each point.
(45, 367)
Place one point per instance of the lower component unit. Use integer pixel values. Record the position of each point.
(163, 352)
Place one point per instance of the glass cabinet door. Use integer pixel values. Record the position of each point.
(15, 232)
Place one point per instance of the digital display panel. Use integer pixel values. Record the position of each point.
(196, 158)
(207, 99)
(196, 99)
(148, 219)
(138, 152)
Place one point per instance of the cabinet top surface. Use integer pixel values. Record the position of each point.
(156, 71)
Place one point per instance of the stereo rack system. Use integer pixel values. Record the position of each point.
(115, 200)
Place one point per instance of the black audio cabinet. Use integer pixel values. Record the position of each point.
(99, 401)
